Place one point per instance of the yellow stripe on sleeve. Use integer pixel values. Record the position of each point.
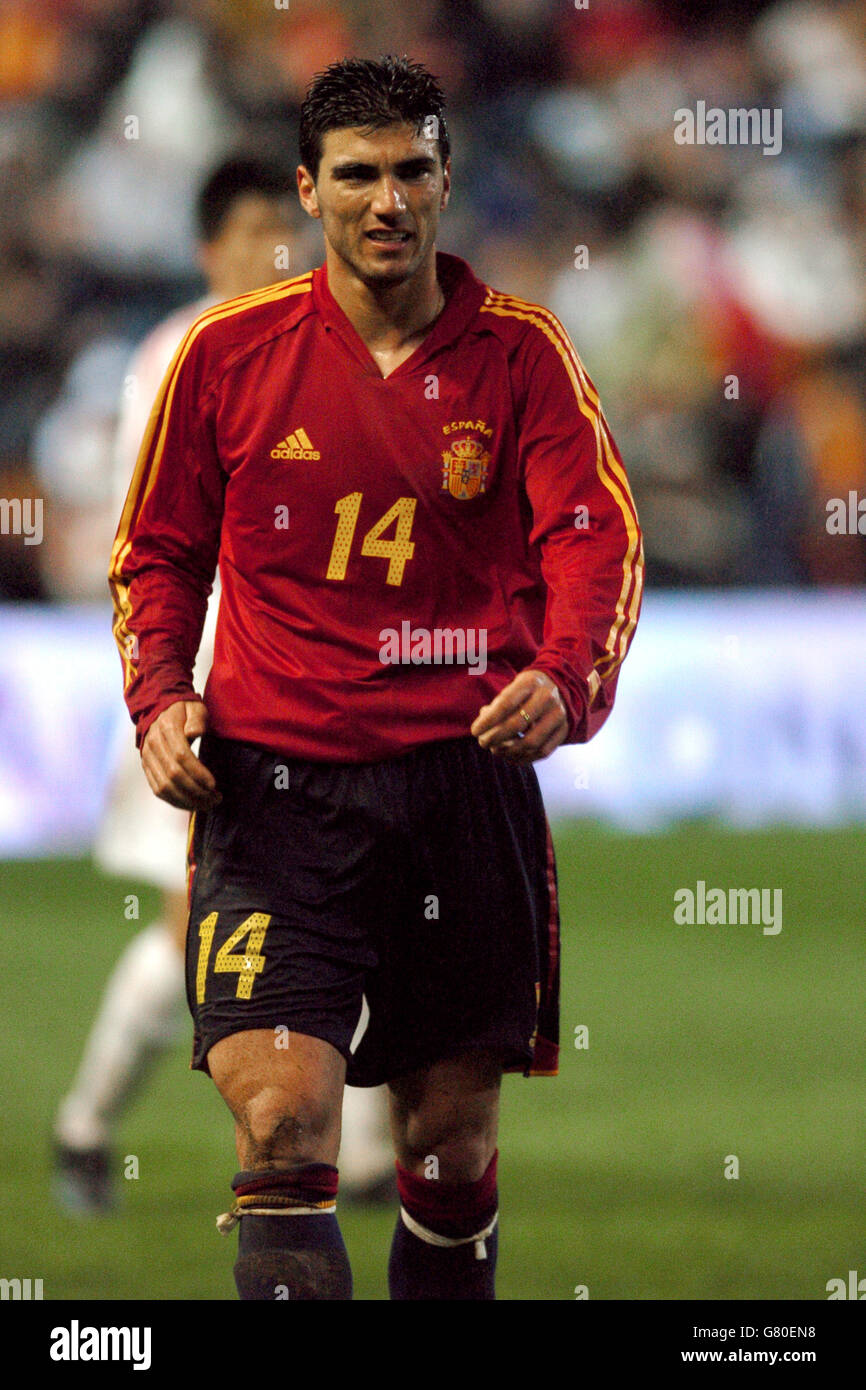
(610, 472)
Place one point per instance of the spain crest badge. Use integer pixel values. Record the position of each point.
(464, 468)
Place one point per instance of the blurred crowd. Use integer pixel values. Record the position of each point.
(716, 293)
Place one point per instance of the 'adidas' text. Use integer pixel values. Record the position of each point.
(297, 445)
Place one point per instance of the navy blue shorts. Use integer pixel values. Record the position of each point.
(403, 910)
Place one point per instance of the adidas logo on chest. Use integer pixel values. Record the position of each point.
(297, 445)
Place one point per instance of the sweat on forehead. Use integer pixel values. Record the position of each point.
(393, 143)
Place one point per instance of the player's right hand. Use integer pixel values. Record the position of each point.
(170, 766)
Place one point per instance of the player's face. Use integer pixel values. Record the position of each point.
(243, 255)
(379, 196)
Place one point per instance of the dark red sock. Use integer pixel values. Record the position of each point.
(450, 1208)
(421, 1268)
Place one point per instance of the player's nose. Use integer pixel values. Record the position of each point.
(389, 198)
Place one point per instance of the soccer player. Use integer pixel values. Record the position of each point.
(431, 570)
(245, 229)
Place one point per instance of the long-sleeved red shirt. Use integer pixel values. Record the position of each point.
(472, 505)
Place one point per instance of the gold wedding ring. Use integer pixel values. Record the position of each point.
(525, 716)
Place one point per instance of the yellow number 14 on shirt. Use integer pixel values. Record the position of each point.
(396, 551)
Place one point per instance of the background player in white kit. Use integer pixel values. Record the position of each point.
(243, 217)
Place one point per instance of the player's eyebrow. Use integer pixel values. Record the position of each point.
(355, 169)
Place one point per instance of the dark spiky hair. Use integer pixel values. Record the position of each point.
(370, 94)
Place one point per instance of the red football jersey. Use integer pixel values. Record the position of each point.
(392, 550)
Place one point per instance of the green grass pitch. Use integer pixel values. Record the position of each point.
(704, 1042)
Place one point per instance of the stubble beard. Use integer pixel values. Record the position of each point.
(384, 278)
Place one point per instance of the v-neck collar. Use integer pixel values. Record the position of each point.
(464, 294)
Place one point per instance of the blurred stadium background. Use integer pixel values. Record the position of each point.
(718, 297)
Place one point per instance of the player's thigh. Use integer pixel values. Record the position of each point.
(278, 949)
(449, 1111)
(285, 1094)
(464, 946)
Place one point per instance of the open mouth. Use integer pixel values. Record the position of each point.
(388, 237)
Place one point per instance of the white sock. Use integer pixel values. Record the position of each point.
(365, 1150)
(141, 1013)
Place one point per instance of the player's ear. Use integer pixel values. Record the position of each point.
(446, 185)
(307, 192)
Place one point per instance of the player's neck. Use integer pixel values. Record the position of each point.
(391, 316)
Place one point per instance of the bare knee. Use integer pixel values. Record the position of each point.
(277, 1126)
(445, 1120)
(448, 1150)
(286, 1104)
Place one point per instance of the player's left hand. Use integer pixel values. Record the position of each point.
(526, 721)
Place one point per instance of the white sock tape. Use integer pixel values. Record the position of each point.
(448, 1242)
(230, 1219)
